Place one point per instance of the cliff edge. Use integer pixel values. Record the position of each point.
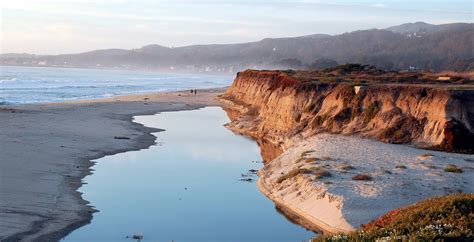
(390, 107)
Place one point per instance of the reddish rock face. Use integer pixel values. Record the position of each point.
(277, 105)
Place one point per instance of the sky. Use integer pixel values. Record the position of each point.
(72, 26)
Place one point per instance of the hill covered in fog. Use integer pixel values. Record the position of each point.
(418, 46)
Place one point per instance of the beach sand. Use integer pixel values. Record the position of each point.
(400, 175)
(46, 149)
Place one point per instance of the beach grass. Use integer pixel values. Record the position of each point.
(453, 169)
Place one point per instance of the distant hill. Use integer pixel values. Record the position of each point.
(421, 28)
(416, 46)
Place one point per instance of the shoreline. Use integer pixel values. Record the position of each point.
(62, 208)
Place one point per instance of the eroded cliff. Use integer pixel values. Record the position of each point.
(280, 106)
(336, 183)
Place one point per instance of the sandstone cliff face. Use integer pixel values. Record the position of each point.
(275, 106)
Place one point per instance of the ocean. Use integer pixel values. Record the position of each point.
(21, 85)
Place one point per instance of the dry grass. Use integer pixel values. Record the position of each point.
(318, 172)
(425, 156)
(347, 167)
(300, 159)
(453, 169)
(311, 159)
(322, 173)
(305, 153)
(362, 177)
(292, 173)
(306, 160)
(467, 74)
(401, 167)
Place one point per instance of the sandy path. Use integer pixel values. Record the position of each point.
(45, 151)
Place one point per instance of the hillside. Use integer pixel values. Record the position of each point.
(416, 46)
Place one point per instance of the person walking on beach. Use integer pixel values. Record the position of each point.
(195, 91)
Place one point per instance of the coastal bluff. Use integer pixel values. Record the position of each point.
(400, 108)
(319, 134)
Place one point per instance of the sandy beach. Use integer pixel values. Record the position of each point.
(46, 149)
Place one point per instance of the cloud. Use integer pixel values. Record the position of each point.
(55, 8)
(61, 26)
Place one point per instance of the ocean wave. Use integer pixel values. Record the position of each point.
(13, 79)
(33, 85)
(72, 87)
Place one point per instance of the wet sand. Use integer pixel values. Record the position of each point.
(46, 149)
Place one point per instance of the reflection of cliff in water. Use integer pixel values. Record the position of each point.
(268, 150)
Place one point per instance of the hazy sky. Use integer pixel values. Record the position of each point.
(69, 26)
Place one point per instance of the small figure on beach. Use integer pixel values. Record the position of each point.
(195, 91)
(192, 91)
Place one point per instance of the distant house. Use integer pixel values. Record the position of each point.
(444, 78)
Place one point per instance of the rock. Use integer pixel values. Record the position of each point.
(137, 237)
(247, 179)
(121, 137)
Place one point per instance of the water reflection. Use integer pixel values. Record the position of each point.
(186, 188)
(268, 150)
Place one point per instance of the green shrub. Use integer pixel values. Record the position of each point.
(400, 167)
(447, 218)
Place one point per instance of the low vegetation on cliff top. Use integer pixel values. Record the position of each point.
(437, 219)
